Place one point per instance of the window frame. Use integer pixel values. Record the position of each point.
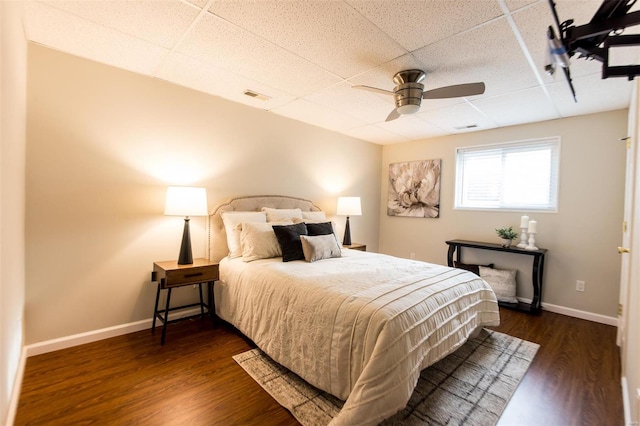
(555, 164)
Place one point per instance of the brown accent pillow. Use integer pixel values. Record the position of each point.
(471, 267)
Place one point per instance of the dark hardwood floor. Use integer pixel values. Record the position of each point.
(192, 379)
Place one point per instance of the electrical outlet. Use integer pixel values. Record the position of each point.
(579, 285)
(413, 256)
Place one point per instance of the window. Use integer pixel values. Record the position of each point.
(511, 176)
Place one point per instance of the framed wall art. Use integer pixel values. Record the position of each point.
(414, 189)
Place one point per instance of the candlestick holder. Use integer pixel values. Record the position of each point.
(523, 238)
(532, 242)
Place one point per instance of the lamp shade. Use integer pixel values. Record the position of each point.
(349, 206)
(186, 201)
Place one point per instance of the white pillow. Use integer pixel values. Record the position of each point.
(258, 241)
(320, 247)
(231, 220)
(502, 281)
(279, 215)
(314, 215)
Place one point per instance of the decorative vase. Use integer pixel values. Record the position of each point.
(506, 243)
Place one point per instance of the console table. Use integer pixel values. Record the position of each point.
(455, 246)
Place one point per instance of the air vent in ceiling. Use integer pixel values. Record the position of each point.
(469, 126)
(257, 95)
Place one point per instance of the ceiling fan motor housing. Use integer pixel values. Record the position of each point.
(408, 92)
(408, 97)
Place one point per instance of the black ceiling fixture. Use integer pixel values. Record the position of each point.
(593, 40)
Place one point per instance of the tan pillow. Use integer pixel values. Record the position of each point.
(258, 241)
(279, 215)
(502, 281)
(231, 220)
(320, 247)
(315, 216)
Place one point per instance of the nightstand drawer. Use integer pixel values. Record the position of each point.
(192, 275)
(170, 274)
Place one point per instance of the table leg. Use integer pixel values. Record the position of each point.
(538, 269)
(452, 248)
(201, 302)
(166, 316)
(155, 310)
(212, 304)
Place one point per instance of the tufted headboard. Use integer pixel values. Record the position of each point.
(217, 237)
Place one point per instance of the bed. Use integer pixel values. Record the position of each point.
(358, 325)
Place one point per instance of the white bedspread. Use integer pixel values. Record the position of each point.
(360, 327)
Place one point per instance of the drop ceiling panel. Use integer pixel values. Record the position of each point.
(330, 34)
(416, 24)
(455, 119)
(366, 106)
(375, 134)
(318, 115)
(69, 33)
(518, 107)
(227, 46)
(382, 75)
(412, 127)
(158, 22)
(488, 53)
(593, 93)
(190, 72)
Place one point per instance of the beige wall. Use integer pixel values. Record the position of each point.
(581, 237)
(103, 144)
(13, 71)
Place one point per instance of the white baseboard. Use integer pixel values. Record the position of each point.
(602, 319)
(17, 387)
(576, 313)
(95, 335)
(626, 401)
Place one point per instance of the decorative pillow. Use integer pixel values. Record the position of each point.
(289, 239)
(502, 281)
(323, 228)
(231, 220)
(308, 221)
(258, 241)
(471, 267)
(279, 215)
(314, 215)
(318, 247)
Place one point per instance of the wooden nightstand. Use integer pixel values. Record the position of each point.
(357, 246)
(169, 275)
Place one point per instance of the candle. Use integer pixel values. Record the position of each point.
(533, 226)
(524, 222)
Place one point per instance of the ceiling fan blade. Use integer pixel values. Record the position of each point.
(374, 89)
(393, 115)
(456, 91)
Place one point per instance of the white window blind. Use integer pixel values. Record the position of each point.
(511, 176)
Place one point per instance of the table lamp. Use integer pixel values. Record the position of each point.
(348, 206)
(186, 201)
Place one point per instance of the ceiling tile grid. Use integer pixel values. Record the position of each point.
(305, 56)
(72, 34)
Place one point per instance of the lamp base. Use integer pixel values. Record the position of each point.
(347, 234)
(185, 258)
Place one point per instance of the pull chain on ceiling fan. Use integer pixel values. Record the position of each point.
(409, 92)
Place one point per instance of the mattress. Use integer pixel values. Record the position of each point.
(361, 326)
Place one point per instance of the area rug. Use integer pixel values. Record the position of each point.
(471, 386)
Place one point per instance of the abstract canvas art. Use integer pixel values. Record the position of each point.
(414, 189)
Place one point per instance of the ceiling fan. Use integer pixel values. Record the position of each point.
(409, 92)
